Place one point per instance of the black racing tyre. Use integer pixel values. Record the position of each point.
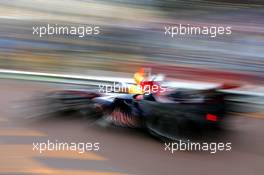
(64, 103)
(169, 128)
(91, 111)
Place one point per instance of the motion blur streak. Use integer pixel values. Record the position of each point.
(120, 147)
(131, 36)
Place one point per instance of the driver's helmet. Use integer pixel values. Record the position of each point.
(143, 74)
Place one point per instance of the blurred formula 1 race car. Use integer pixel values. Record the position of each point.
(166, 112)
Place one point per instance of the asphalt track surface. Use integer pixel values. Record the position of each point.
(122, 151)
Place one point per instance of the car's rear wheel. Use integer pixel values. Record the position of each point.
(169, 128)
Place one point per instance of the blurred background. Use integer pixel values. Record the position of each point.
(132, 36)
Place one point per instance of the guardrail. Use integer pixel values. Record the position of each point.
(61, 78)
(102, 80)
